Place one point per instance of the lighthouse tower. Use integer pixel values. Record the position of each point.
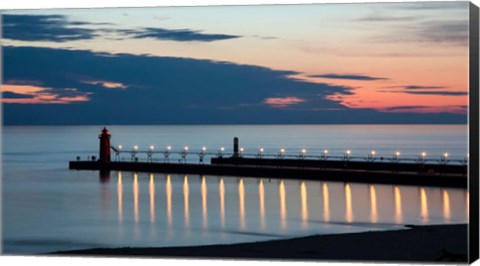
(104, 145)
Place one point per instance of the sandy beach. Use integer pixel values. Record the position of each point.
(414, 243)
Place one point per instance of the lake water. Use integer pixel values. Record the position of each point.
(47, 207)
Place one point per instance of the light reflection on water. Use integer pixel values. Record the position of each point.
(46, 207)
(320, 190)
(229, 209)
(326, 205)
(373, 204)
(261, 201)
(303, 194)
(348, 204)
(204, 202)
(283, 205)
(398, 205)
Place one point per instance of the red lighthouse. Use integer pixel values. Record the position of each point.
(104, 145)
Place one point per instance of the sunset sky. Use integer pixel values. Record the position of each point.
(323, 63)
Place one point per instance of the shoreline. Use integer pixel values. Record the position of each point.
(414, 243)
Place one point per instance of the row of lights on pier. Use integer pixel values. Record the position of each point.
(281, 154)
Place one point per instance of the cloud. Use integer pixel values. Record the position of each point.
(429, 92)
(164, 90)
(458, 109)
(443, 32)
(53, 28)
(107, 84)
(425, 90)
(347, 76)
(443, 93)
(13, 95)
(432, 5)
(452, 32)
(29, 94)
(415, 87)
(282, 102)
(181, 35)
(383, 18)
(57, 28)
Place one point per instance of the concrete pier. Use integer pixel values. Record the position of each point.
(381, 172)
(277, 171)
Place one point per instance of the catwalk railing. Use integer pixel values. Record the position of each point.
(186, 155)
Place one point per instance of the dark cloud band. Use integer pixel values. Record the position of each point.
(346, 76)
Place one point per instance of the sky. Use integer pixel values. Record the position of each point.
(395, 63)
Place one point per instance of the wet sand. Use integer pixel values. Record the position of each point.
(414, 243)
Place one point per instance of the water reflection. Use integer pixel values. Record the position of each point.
(348, 204)
(446, 205)
(120, 198)
(363, 206)
(261, 200)
(326, 204)
(104, 176)
(135, 198)
(151, 189)
(283, 205)
(221, 191)
(303, 195)
(241, 201)
(168, 192)
(373, 204)
(398, 204)
(204, 202)
(186, 201)
(423, 205)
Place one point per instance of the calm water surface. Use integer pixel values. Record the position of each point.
(47, 208)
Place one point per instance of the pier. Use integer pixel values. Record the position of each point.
(345, 168)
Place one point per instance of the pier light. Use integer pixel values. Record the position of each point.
(242, 149)
(422, 156)
(222, 149)
(302, 153)
(348, 152)
(443, 159)
(346, 155)
(134, 153)
(260, 152)
(184, 154)
(324, 154)
(169, 148)
(152, 147)
(396, 155)
(371, 155)
(119, 147)
(282, 151)
(204, 148)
